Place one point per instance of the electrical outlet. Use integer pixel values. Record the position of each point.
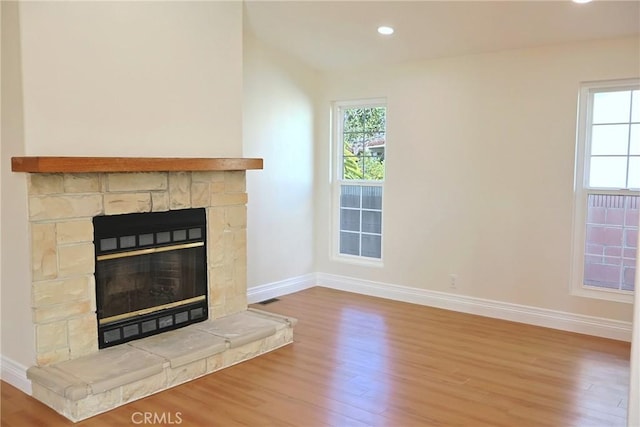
(453, 281)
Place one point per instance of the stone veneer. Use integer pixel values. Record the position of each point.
(61, 209)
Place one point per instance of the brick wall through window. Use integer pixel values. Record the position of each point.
(611, 241)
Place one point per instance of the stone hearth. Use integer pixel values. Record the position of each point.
(61, 208)
(89, 385)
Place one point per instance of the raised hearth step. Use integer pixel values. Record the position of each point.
(241, 328)
(109, 368)
(182, 346)
(111, 377)
(291, 321)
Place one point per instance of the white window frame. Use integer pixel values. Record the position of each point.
(337, 181)
(582, 190)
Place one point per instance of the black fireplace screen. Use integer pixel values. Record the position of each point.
(150, 273)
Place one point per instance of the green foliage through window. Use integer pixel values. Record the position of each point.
(364, 138)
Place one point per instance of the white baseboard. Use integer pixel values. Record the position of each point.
(564, 321)
(15, 374)
(276, 289)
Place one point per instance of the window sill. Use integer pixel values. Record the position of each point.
(604, 294)
(356, 260)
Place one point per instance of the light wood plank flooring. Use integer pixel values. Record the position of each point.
(363, 361)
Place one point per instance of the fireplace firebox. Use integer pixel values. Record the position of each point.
(151, 273)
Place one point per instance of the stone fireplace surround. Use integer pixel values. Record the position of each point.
(71, 375)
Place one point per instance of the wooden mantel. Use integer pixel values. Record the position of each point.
(129, 164)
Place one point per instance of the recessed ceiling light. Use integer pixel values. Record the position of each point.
(385, 31)
(581, 1)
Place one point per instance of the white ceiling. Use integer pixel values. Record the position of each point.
(335, 35)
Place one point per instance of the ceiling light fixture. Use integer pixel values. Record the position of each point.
(385, 31)
(581, 1)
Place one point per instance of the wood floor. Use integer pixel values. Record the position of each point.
(362, 361)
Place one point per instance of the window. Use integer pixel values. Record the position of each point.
(360, 146)
(607, 190)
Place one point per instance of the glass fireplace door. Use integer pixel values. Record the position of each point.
(151, 273)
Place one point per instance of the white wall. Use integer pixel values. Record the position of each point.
(108, 78)
(17, 332)
(132, 78)
(479, 164)
(278, 126)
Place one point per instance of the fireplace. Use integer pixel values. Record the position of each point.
(62, 208)
(152, 209)
(150, 274)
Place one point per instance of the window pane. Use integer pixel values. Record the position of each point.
(372, 197)
(372, 222)
(372, 168)
(634, 148)
(635, 108)
(611, 107)
(350, 196)
(371, 246)
(350, 219)
(351, 168)
(354, 143)
(634, 172)
(364, 138)
(611, 241)
(377, 145)
(376, 119)
(353, 120)
(608, 172)
(349, 243)
(357, 218)
(363, 155)
(609, 139)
